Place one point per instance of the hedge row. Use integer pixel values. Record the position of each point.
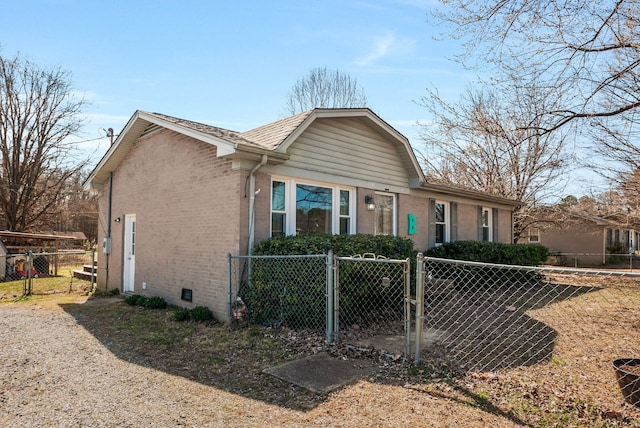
(492, 252)
(391, 247)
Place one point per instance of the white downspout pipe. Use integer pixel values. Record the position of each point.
(252, 201)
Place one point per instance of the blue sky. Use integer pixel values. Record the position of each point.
(231, 63)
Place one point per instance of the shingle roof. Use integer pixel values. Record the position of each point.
(214, 131)
(271, 135)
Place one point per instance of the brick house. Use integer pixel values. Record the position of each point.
(583, 240)
(176, 197)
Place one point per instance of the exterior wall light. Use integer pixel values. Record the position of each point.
(371, 205)
(117, 220)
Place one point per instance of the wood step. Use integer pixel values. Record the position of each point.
(82, 274)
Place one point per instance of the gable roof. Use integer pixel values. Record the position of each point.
(272, 139)
(273, 134)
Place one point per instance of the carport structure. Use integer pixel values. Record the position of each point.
(20, 242)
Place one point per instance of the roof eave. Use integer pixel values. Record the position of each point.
(442, 188)
(134, 128)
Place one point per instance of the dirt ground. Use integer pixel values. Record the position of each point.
(64, 362)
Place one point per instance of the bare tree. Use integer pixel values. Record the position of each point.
(585, 52)
(76, 210)
(38, 114)
(481, 143)
(325, 89)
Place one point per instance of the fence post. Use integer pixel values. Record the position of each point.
(419, 307)
(25, 285)
(230, 292)
(407, 307)
(336, 299)
(329, 312)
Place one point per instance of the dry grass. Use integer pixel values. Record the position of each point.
(576, 387)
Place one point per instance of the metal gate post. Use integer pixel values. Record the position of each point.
(29, 266)
(230, 289)
(329, 313)
(336, 299)
(407, 308)
(419, 307)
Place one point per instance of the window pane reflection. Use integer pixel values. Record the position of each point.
(313, 209)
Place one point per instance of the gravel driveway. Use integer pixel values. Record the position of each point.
(54, 373)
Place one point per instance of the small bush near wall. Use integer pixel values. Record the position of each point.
(146, 302)
(492, 252)
(391, 247)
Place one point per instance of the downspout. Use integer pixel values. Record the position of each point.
(252, 201)
(108, 243)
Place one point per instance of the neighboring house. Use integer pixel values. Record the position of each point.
(582, 239)
(176, 197)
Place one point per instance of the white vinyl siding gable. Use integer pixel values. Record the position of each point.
(347, 148)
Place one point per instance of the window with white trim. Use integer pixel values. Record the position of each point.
(278, 209)
(487, 224)
(442, 222)
(534, 234)
(385, 214)
(308, 208)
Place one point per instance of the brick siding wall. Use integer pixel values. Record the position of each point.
(189, 215)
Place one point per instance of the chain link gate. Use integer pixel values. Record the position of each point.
(352, 299)
(371, 298)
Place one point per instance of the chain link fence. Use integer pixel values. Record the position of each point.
(47, 273)
(620, 261)
(469, 317)
(349, 298)
(487, 317)
(279, 290)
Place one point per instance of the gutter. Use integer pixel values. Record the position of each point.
(252, 200)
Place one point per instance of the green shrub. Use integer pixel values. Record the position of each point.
(155, 303)
(181, 314)
(201, 313)
(142, 301)
(147, 302)
(492, 252)
(132, 299)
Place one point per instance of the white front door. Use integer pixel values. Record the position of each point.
(129, 266)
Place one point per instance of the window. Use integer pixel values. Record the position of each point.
(385, 220)
(487, 224)
(278, 209)
(442, 222)
(345, 212)
(310, 208)
(534, 234)
(313, 209)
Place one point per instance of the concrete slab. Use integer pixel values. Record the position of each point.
(103, 300)
(394, 344)
(322, 373)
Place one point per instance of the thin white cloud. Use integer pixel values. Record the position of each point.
(381, 48)
(386, 46)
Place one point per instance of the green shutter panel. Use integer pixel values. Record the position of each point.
(494, 220)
